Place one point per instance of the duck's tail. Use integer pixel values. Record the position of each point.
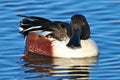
(31, 23)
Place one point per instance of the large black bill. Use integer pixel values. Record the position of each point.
(74, 39)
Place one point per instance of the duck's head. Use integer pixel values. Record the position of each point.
(79, 30)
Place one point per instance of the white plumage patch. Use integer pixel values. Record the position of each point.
(88, 49)
(33, 27)
(20, 28)
(42, 33)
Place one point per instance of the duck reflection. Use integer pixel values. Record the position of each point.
(61, 68)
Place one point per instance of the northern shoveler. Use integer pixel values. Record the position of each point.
(56, 38)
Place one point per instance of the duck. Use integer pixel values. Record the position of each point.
(58, 38)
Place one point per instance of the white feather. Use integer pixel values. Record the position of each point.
(42, 33)
(20, 28)
(33, 27)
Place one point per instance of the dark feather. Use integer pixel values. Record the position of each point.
(40, 19)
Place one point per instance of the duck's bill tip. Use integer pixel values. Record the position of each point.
(74, 46)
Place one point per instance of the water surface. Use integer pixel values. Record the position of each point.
(104, 20)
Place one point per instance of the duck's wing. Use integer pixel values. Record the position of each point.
(56, 29)
(31, 23)
(26, 25)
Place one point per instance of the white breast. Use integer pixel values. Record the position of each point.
(88, 49)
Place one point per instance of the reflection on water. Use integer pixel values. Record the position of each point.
(60, 68)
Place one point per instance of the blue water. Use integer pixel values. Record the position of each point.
(104, 19)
